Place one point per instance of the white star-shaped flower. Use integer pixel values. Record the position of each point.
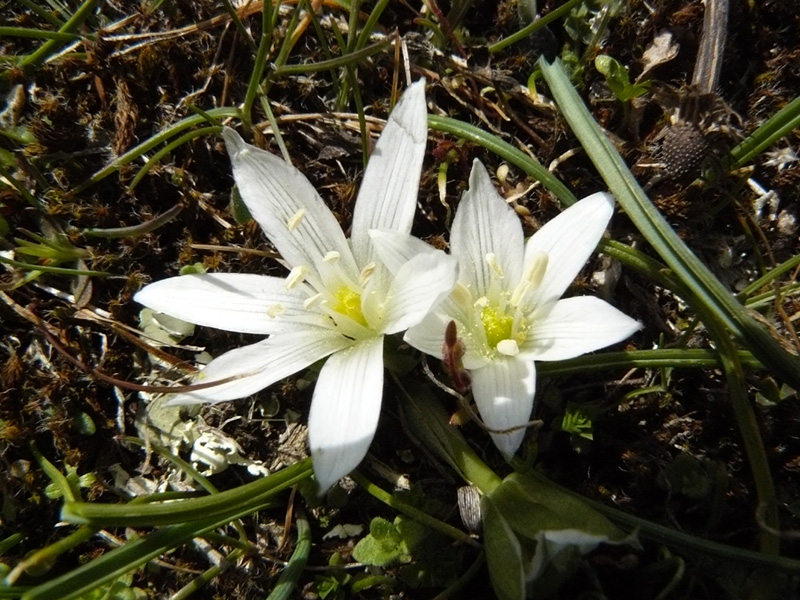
(507, 304)
(339, 298)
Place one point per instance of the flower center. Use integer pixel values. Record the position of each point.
(348, 303)
(498, 325)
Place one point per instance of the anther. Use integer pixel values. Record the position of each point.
(296, 275)
(295, 219)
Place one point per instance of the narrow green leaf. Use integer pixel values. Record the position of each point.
(503, 553)
(705, 289)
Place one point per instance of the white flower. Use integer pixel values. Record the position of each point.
(506, 305)
(338, 300)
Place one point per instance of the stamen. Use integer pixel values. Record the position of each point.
(481, 302)
(536, 268)
(331, 257)
(366, 273)
(491, 260)
(313, 301)
(296, 275)
(295, 219)
(519, 293)
(508, 347)
(461, 295)
(275, 310)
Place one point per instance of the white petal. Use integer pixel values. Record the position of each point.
(388, 195)
(345, 409)
(420, 284)
(569, 240)
(394, 248)
(287, 206)
(428, 336)
(263, 363)
(575, 326)
(503, 391)
(232, 301)
(485, 224)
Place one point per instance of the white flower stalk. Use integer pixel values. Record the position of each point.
(506, 305)
(339, 298)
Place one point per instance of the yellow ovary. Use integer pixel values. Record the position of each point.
(498, 326)
(348, 303)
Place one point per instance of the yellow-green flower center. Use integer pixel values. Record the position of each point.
(498, 325)
(348, 303)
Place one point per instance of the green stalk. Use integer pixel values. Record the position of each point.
(705, 289)
(505, 151)
(130, 556)
(410, 511)
(47, 555)
(133, 230)
(152, 142)
(333, 63)
(683, 541)
(428, 422)
(537, 24)
(260, 64)
(42, 12)
(770, 276)
(287, 582)
(156, 158)
(751, 435)
(245, 497)
(52, 46)
(206, 576)
(779, 125)
(372, 20)
(40, 34)
(642, 359)
(47, 269)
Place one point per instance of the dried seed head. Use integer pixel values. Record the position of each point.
(683, 149)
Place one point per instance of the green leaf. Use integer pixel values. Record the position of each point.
(532, 505)
(560, 527)
(503, 553)
(577, 421)
(389, 543)
(381, 547)
(685, 475)
(617, 78)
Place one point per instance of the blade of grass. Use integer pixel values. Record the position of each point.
(25, 32)
(54, 270)
(141, 228)
(52, 46)
(257, 74)
(130, 556)
(719, 309)
(333, 63)
(705, 288)
(537, 24)
(779, 125)
(678, 358)
(156, 158)
(47, 15)
(751, 434)
(152, 142)
(155, 514)
(287, 582)
(410, 511)
(505, 151)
